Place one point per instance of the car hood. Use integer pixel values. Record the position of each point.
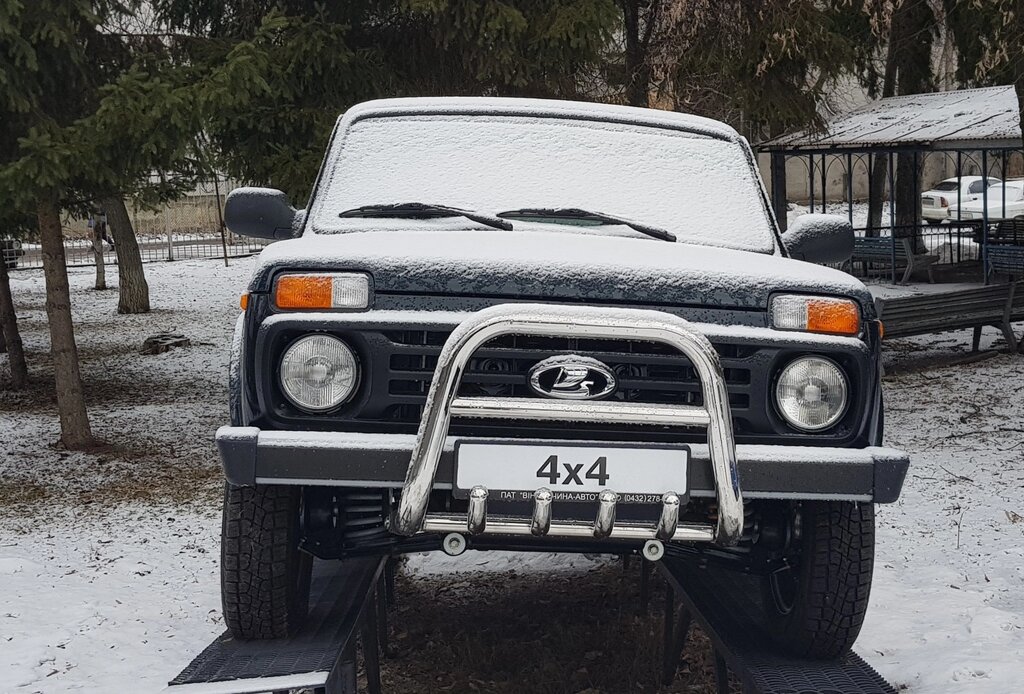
(553, 265)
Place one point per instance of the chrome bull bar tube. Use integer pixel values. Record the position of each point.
(581, 322)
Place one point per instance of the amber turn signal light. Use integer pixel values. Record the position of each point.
(303, 291)
(322, 291)
(244, 301)
(815, 314)
(835, 317)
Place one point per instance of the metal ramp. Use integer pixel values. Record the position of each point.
(726, 606)
(348, 602)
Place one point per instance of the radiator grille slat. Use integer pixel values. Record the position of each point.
(647, 372)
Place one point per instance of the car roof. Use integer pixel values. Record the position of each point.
(552, 108)
(968, 179)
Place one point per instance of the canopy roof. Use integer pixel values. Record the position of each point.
(962, 119)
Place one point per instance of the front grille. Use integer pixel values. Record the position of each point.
(646, 373)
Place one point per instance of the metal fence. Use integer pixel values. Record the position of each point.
(188, 228)
(958, 249)
(177, 246)
(939, 245)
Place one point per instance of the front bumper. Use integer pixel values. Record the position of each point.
(253, 456)
(935, 214)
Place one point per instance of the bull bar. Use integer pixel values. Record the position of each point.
(443, 403)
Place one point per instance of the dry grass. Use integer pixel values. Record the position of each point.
(138, 462)
(555, 633)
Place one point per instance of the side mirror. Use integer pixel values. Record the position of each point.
(820, 238)
(264, 213)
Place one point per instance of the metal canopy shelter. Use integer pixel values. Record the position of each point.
(973, 131)
(964, 119)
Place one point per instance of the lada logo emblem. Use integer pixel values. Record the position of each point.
(572, 377)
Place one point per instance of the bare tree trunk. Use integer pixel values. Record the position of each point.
(97, 252)
(9, 334)
(916, 30)
(638, 38)
(1019, 86)
(74, 420)
(907, 200)
(880, 166)
(132, 286)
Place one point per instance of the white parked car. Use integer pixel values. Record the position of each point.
(936, 203)
(1005, 201)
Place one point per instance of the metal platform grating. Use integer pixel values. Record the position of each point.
(727, 606)
(338, 594)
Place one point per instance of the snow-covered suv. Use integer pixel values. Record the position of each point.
(534, 325)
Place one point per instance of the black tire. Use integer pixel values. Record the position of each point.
(816, 607)
(264, 575)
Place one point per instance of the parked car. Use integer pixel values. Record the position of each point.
(935, 203)
(1005, 201)
(540, 325)
(11, 250)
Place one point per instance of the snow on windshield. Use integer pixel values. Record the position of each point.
(701, 188)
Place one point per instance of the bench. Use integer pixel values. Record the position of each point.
(880, 250)
(996, 305)
(1006, 259)
(1005, 231)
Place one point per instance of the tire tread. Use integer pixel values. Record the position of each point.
(834, 579)
(259, 562)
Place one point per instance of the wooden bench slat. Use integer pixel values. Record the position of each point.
(945, 308)
(969, 308)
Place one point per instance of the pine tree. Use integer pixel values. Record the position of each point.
(989, 36)
(321, 58)
(41, 76)
(77, 125)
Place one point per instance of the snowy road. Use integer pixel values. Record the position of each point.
(116, 591)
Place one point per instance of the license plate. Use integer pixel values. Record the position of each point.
(513, 471)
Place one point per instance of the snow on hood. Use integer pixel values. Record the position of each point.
(564, 264)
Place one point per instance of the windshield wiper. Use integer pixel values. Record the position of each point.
(577, 213)
(414, 209)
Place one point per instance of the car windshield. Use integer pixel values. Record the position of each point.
(946, 186)
(701, 189)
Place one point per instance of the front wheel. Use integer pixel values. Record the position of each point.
(816, 605)
(265, 577)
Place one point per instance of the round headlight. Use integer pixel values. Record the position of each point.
(812, 393)
(318, 372)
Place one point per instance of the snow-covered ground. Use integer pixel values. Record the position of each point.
(108, 561)
(112, 601)
(947, 607)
